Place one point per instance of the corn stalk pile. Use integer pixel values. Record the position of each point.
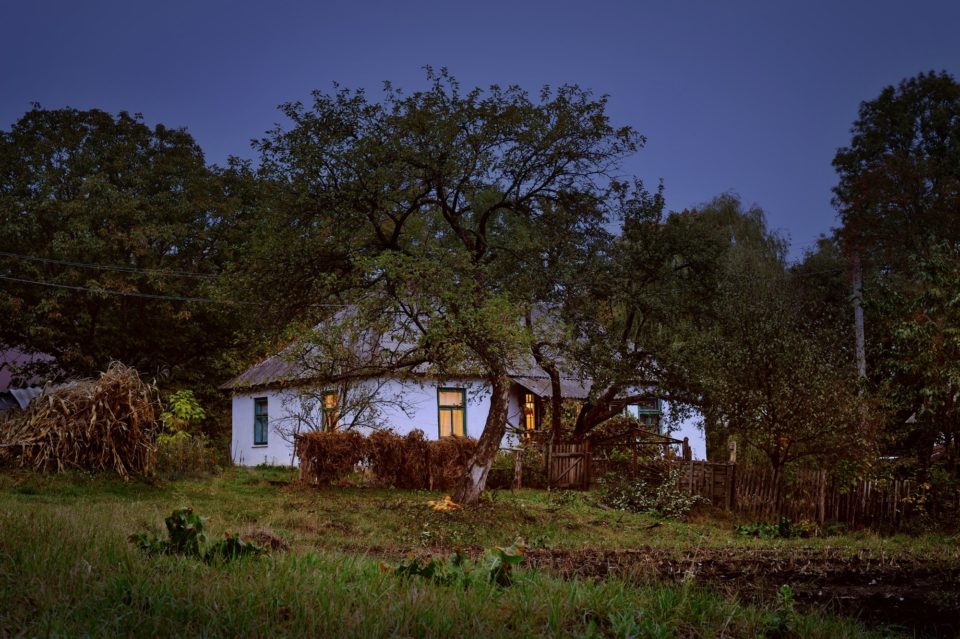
(108, 424)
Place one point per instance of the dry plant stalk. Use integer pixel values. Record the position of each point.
(411, 461)
(107, 424)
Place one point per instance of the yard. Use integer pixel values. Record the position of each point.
(67, 568)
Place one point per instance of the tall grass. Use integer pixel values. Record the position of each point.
(67, 570)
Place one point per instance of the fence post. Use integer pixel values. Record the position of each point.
(822, 501)
(517, 468)
(733, 484)
(587, 459)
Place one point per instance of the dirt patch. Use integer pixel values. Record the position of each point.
(917, 595)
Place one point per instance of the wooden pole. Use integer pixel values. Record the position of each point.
(517, 468)
(858, 314)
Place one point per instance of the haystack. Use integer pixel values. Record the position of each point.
(108, 424)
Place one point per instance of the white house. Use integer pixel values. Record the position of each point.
(276, 399)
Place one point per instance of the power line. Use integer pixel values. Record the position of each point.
(109, 291)
(104, 267)
(153, 296)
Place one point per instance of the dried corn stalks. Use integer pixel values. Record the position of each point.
(108, 424)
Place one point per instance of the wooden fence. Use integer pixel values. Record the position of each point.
(714, 481)
(575, 466)
(751, 491)
(813, 496)
(569, 466)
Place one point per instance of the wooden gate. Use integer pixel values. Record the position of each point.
(568, 466)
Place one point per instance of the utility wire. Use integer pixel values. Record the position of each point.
(108, 291)
(104, 267)
(153, 296)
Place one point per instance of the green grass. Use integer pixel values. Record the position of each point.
(66, 568)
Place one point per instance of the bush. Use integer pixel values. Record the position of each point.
(533, 473)
(411, 462)
(448, 460)
(181, 454)
(665, 498)
(329, 457)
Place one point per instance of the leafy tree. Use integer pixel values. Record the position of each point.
(899, 182)
(898, 199)
(107, 223)
(773, 369)
(412, 219)
(925, 357)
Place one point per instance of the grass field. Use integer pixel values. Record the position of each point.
(67, 569)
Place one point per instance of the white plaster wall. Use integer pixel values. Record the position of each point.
(277, 451)
(420, 399)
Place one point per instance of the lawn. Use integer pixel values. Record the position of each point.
(66, 567)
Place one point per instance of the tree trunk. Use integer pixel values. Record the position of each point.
(556, 402)
(475, 478)
(777, 473)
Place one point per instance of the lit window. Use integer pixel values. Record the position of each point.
(260, 421)
(452, 408)
(530, 411)
(331, 411)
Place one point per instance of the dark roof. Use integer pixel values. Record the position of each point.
(273, 371)
(570, 388)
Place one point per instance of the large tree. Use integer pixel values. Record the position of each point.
(109, 225)
(773, 366)
(898, 199)
(413, 218)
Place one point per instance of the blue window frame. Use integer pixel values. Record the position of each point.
(647, 413)
(260, 421)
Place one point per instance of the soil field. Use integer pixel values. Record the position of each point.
(921, 596)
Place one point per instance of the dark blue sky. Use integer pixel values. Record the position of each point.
(747, 97)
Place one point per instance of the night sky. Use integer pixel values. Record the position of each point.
(752, 98)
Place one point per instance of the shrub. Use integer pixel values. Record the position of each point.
(665, 498)
(533, 473)
(448, 460)
(412, 461)
(329, 457)
(182, 454)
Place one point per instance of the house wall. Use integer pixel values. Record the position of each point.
(421, 398)
(284, 407)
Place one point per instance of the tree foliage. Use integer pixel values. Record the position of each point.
(91, 203)
(775, 370)
(416, 217)
(899, 203)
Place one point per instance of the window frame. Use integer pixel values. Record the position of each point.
(451, 409)
(656, 413)
(535, 414)
(264, 427)
(330, 416)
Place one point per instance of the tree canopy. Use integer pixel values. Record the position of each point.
(898, 198)
(110, 229)
(426, 211)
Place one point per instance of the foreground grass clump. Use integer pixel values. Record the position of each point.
(66, 572)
